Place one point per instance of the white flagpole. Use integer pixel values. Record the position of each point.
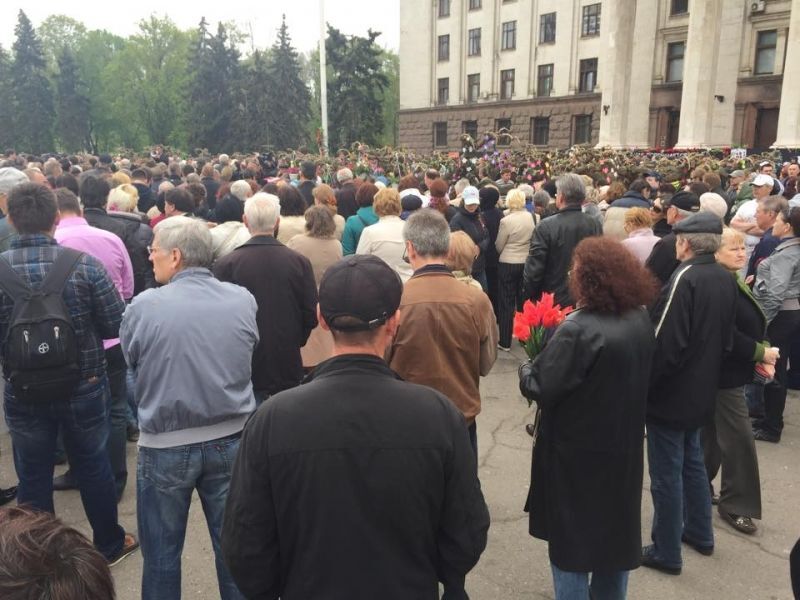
(323, 83)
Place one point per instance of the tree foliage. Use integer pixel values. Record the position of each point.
(72, 106)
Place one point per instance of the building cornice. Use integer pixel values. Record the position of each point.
(543, 100)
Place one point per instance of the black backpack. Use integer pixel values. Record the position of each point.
(41, 350)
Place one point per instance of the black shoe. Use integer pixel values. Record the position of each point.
(704, 550)
(129, 546)
(739, 523)
(7, 495)
(133, 433)
(530, 429)
(648, 560)
(762, 435)
(65, 482)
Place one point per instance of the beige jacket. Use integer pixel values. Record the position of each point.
(288, 227)
(228, 236)
(614, 224)
(514, 237)
(384, 239)
(321, 253)
(447, 338)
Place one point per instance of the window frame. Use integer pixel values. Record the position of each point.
(540, 77)
(474, 35)
(503, 80)
(476, 97)
(583, 71)
(760, 48)
(444, 9)
(503, 139)
(590, 20)
(442, 99)
(475, 5)
(668, 78)
(585, 122)
(436, 133)
(465, 128)
(535, 121)
(439, 54)
(508, 34)
(675, 9)
(543, 28)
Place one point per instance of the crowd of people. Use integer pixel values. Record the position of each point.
(307, 358)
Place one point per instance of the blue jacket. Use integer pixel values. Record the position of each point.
(364, 217)
(631, 199)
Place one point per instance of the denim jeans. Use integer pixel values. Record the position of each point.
(679, 486)
(118, 409)
(83, 420)
(576, 586)
(165, 480)
(130, 390)
(754, 396)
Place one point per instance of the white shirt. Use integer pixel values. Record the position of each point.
(384, 239)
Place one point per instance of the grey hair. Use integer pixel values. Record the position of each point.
(262, 211)
(428, 232)
(573, 189)
(542, 198)
(702, 243)
(343, 175)
(526, 189)
(191, 236)
(460, 185)
(241, 189)
(774, 204)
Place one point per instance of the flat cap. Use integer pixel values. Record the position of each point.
(702, 222)
(10, 177)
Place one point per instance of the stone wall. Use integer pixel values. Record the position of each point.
(417, 126)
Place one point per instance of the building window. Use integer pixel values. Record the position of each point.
(470, 128)
(474, 45)
(591, 20)
(765, 52)
(440, 134)
(506, 84)
(474, 4)
(444, 47)
(443, 91)
(547, 28)
(540, 131)
(504, 126)
(588, 75)
(444, 8)
(675, 52)
(679, 7)
(544, 80)
(473, 87)
(582, 129)
(509, 38)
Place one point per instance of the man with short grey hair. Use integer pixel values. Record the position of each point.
(9, 177)
(285, 290)
(554, 240)
(440, 311)
(346, 204)
(189, 343)
(241, 189)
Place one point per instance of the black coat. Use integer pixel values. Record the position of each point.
(355, 484)
(472, 224)
(346, 200)
(694, 318)
(285, 290)
(306, 189)
(748, 337)
(550, 256)
(586, 476)
(212, 187)
(147, 199)
(663, 261)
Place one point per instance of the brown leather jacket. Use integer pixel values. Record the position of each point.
(447, 337)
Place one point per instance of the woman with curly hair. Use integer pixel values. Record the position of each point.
(586, 474)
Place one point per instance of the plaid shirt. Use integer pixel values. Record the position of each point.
(92, 300)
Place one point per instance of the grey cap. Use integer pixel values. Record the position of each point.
(702, 222)
(10, 177)
(738, 173)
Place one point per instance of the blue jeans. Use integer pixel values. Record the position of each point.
(165, 480)
(130, 383)
(575, 586)
(679, 486)
(118, 409)
(83, 420)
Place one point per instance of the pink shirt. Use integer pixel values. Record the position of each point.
(640, 242)
(76, 233)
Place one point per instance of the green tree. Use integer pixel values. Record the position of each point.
(7, 137)
(33, 96)
(288, 94)
(57, 32)
(253, 110)
(213, 89)
(356, 84)
(72, 106)
(391, 98)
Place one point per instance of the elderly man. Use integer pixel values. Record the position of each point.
(554, 240)
(694, 329)
(448, 336)
(190, 344)
(9, 177)
(241, 189)
(663, 258)
(346, 204)
(285, 290)
(745, 218)
(355, 467)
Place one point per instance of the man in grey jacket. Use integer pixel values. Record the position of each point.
(190, 344)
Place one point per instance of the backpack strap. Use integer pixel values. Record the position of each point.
(60, 271)
(10, 281)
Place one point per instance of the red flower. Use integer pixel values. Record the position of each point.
(531, 313)
(521, 329)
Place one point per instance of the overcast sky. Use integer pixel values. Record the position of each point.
(302, 17)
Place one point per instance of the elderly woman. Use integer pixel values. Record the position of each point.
(325, 196)
(320, 246)
(777, 288)
(638, 223)
(122, 201)
(385, 238)
(728, 440)
(586, 475)
(512, 244)
(460, 257)
(468, 219)
(364, 217)
(293, 207)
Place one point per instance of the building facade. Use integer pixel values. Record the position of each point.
(620, 73)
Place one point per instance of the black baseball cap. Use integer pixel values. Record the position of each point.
(685, 201)
(362, 287)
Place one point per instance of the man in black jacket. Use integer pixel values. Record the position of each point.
(662, 260)
(554, 240)
(308, 181)
(356, 484)
(694, 320)
(346, 204)
(285, 290)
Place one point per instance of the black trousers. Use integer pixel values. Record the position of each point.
(782, 332)
(509, 300)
